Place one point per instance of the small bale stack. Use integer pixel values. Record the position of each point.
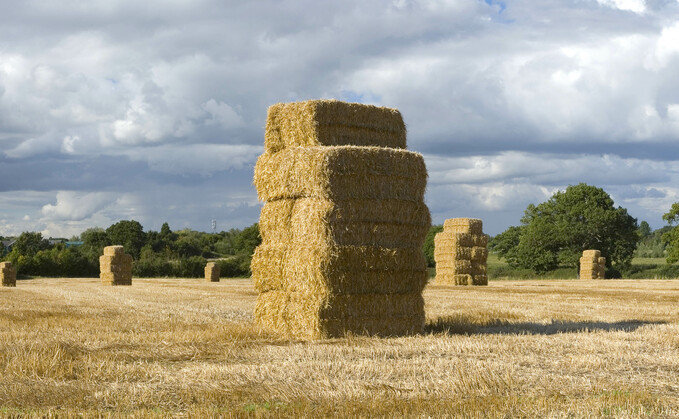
(8, 274)
(212, 272)
(592, 265)
(343, 223)
(461, 253)
(115, 266)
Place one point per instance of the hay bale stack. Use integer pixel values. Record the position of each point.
(592, 265)
(115, 266)
(461, 253)
(8, 274)
(343, 223)
(212, 272)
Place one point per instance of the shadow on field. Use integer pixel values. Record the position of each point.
(458, 326)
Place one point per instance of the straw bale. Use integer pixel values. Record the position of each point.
(461, 265)
(306, 315)
(332, 123)
(480, 240)
(589, 260)
(591, 253)
(338, 269)
(479, 269)
(449, 240)
(116, 278)
(319, 222)
(602, 261)
(8, 274)
(212, 272)
(442, 253)
(113, 250)
(463, 225)
(480, 280)
(479, 254)
(341, 173)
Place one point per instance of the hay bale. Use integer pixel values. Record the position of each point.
(343, 224)
(212, 272)
(321, 222)
(338, 269)
(8, 274)
(313, 316)
(341, 173)
(592, 265)
(591, 253)
(460, 252)
(115, 267)
(332, 123)
(463, 225)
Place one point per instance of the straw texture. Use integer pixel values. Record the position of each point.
(341, 173)
(212, 272)
(592, 265)
(8, 274)
(115, 266)
(461, 253)
(330, 123)
(343, 223)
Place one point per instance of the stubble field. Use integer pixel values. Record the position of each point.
(183, 347)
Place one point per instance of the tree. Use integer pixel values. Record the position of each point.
(672, 236)
(644, 230)
(28, 244)
(556, 232)
(128, 233)
(505, 245)
(428, 246)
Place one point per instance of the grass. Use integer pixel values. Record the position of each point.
(168, 347)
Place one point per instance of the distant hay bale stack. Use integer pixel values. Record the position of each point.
(115, 266)
(212, 272)
(8, 274)
(343, 223)
(461, 253)
(592, 265)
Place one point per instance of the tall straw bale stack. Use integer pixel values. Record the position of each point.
(8, 274)
(592, 265)
(343, 222)
(330, 123)
(115, 266)
(212, 272)
(461, 253)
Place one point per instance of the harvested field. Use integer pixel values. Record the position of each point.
(167, 347)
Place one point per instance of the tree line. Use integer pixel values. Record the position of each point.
(181, 253)
(553, 234)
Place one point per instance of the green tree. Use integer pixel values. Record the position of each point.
(582, 217)
(247, 240)
(28, 244)
(672, 236)
(506, 244)
(644, 230)
(128, 233)
(428, 246)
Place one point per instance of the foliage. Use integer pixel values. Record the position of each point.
(554, 233)
(671, 237)
(506, 243)
(428, 247)
(157, 254)
(653, 245)
(128, 233)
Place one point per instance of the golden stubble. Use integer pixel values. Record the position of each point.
(164, 347)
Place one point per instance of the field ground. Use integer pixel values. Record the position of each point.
(168, 347)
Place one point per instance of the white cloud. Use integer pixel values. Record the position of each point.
(636, 6)
(76, 206)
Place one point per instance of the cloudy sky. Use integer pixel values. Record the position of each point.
(154, 110)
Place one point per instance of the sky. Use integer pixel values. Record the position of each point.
(155, 110)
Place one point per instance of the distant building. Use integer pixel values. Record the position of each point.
(74, 243)
(8, 244)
